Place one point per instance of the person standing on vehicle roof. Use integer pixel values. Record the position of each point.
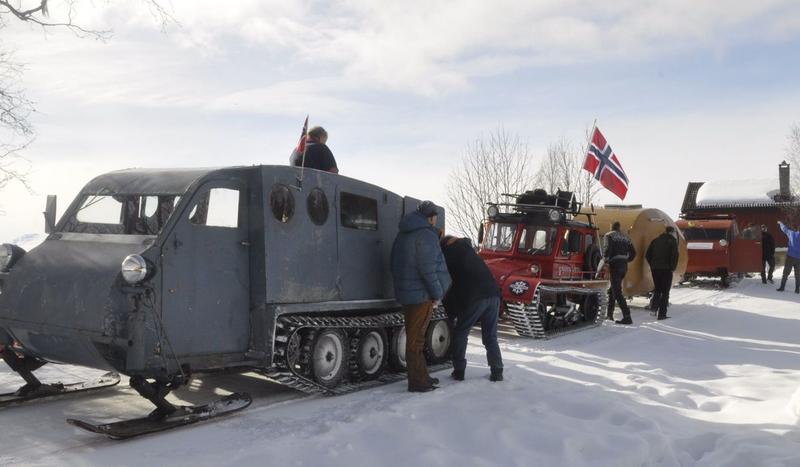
(473, 297)
(317, 155)
(792, 258)
(618, 252)
(767, 255)
(420, 279)
(662, 256)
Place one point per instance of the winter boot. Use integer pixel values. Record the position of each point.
(497, 375)
(627, 320)
(457, 375)
(432, 380)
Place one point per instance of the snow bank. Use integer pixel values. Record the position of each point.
(737, 191)
(715, 385)
(29, 241)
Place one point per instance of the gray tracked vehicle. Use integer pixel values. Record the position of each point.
(161, 274)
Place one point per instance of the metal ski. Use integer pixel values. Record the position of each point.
(28, 393)
(184, 415)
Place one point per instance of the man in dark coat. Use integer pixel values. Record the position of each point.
(662, 255)
(618, 252)
(767, 255)
(317, 154)
(473, 297)
(420, 281)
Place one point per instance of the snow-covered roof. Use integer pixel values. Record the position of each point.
(727, 192)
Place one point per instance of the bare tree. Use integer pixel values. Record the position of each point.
(793, 154)
(490, 166)
(16, 130)
(562, 169)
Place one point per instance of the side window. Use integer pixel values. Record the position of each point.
(281, 202)
(358, 212)
(317, 206)
(218, 208)
(563, 249)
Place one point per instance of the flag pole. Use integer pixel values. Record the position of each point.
(591, 135)
(303, 160)
(588, 147)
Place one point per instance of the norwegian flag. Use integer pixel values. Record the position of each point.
(297, 154)
(604, 164)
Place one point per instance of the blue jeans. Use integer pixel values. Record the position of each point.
(485, 311)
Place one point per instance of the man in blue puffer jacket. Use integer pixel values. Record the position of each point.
(792, 257)
(420, 281)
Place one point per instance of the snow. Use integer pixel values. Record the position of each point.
(718, 384)
(737, 191)
(29, 241)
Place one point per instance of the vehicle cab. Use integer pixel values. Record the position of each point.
(718, 248)
(536, 241)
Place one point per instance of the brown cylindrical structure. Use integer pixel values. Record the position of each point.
(642, 226)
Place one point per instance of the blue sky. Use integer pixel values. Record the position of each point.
(683, 90)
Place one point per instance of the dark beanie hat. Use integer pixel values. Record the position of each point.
(427, 209)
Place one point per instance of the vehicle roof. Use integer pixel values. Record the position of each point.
(704, 223)
(523, 219)
(155, 181)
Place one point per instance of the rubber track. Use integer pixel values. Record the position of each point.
(528, 322)
(291, 324)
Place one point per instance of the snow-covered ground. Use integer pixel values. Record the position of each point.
(715, 385)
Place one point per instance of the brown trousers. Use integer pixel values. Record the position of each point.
(417, 319)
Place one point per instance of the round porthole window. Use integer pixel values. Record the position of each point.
(281, 201)
(317, 204)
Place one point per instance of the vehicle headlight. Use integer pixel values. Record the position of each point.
(534, 269)
(492, 210)
(554, 215)
(134, 269)
(5, 256)
(723, 242)
(9, 254)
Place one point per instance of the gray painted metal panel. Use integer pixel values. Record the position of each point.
(154, 181)
(206, 284)
(301, 256)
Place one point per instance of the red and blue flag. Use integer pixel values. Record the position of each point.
(605, 166)
(297, 155)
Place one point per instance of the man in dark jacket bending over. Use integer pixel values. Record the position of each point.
(662, 256)
(474, 297)
(420, 281)
(618, 252)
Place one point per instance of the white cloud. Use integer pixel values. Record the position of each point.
(423, 47)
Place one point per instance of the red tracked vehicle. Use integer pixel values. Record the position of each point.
(545, 261)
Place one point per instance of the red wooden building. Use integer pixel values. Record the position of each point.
(762, 201)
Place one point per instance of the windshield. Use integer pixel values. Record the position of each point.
(122, 214)
(500, 237)
(536, 240)
(697, 233)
